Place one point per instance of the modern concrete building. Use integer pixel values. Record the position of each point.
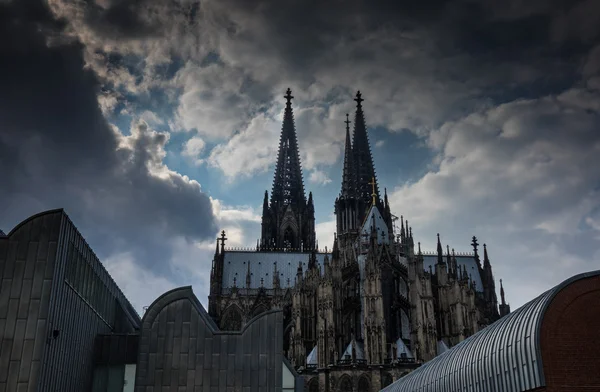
(55, 299)
(66, 326)
(549, 344)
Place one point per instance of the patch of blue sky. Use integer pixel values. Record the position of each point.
(400, 157)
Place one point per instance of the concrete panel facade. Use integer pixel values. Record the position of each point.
(55, 297)
(181, 349)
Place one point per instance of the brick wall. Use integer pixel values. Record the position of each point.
(570, 341)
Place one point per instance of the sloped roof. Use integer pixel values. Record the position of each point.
(312, 358)
(505, 356)
(262, 266)
(360, 350)
(402, 349)
(467, 261)
(380, 225)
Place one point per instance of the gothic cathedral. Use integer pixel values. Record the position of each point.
(374, 307)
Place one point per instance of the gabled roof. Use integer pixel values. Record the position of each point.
(312, 358)
(359, 347)
(382, 229)
(402, 349)
(505, 356)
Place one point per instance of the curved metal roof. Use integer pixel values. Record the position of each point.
(504, 357)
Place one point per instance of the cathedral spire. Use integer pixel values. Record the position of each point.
(486, 260)
(439, 250)
(288, 221)
(502, 293)
(475, 244)
(402, 234)
(288, 186)
(363, 161)
(348, 180)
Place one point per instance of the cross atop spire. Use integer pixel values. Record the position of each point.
(222, 240)
(288, 96)
(358, 98)
(374, 195)
(347, 122)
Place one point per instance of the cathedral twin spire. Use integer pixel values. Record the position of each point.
(288, 205)
(288, 220)
(288, 186)
(362, 158)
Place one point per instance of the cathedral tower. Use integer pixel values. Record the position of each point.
(356, 193)
(288, 221)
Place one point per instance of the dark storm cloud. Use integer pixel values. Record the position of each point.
(57, 150)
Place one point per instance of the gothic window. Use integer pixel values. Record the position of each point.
(364, 384)
(313, 385)
(346, 384)
(386, 380)
(232, 319)
(259, 309)
(288, 238)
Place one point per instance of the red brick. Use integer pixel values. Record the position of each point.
(570, 341)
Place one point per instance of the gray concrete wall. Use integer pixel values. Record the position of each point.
(51, 280)
(27, 259)
(181, 349)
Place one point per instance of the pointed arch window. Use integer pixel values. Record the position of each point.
(364, 384)
(232, 319)
(346, 384)
(289, 238)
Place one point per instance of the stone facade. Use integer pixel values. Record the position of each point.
(373, 308)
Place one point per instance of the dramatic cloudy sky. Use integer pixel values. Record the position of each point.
(154, 123)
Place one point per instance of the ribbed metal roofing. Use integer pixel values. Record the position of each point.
(467, 261)
(504, 357)
(262, 266)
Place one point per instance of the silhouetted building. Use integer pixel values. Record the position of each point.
(549, 344)
(65, 326)
(373, 308)
(55, 299)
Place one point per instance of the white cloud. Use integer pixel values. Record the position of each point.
(140, 285)
(325, 231)
(193, 149)
(514, 176)
(212, 101)
(240, 223)
(319, 177)
(151, 118)
(108, 102)
(250, 151)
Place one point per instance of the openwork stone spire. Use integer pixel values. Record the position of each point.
(288, 186)
(363, 160)
(348, 176)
